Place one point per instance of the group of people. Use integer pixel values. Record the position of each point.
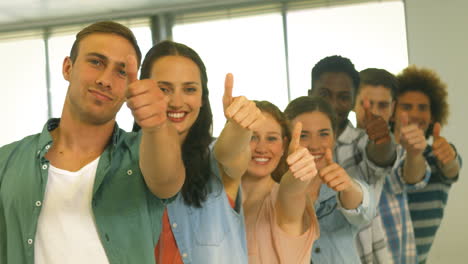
(295, 186)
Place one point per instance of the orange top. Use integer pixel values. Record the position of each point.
(167, 243)
(269, 244)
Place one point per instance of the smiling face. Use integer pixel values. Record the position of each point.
(418, 107)
(179, 78)
(317, 135)
(267, 148)
(97, 78)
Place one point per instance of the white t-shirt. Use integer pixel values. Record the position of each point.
(66, 231)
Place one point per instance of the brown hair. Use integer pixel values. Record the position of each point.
(376, 77)
(426, 81)
(109, 27)
(195, 148)
(306, 104)
(274, 111)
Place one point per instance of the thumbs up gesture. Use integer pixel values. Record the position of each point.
(376, 127)
(411, 136)
(333, 174)
(146, 101)
(240, 110)
(301, 162)
(442, 150)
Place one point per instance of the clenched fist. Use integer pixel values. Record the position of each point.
(376, 127)
(240, 110)
(412, 137)
(146, 101)
(301, 162)
(442, 150)
(334, 175)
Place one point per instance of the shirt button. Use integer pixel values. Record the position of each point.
(44, 167)
(38, 203)
(30, 241)
(317, 250)
(184, 255)
(47, 147)
(129, 172)
(174, 225)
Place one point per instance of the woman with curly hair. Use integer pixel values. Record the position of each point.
(423, 96)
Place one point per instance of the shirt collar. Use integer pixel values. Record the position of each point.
(349, 134)
(45, 138)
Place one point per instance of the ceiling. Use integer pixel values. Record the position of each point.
(29, 14)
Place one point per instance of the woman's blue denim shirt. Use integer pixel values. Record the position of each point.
(339, 227)
(214, 233)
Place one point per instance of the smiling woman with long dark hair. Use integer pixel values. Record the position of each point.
(204, 223)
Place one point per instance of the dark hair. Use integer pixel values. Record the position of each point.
(276, 113)
(109, 27)
(376, 77)
(195, 148)
(306, 104)
(426, 81)
(335, 64)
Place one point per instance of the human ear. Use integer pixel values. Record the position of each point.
(67, 68)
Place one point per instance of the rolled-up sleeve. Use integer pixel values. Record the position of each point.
(363, 214)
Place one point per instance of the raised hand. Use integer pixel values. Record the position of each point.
(227, 96)
(239, 109)
(376, 127)
(146, 101)
(293, 193)
(411, 136)
(301, 162)
(334, 175)
(442, 150)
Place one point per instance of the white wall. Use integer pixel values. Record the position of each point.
(438, 39)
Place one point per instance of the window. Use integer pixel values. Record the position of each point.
(252, 48)
(247, 41)
(24, 95)
(369, 34)
(59, 47)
